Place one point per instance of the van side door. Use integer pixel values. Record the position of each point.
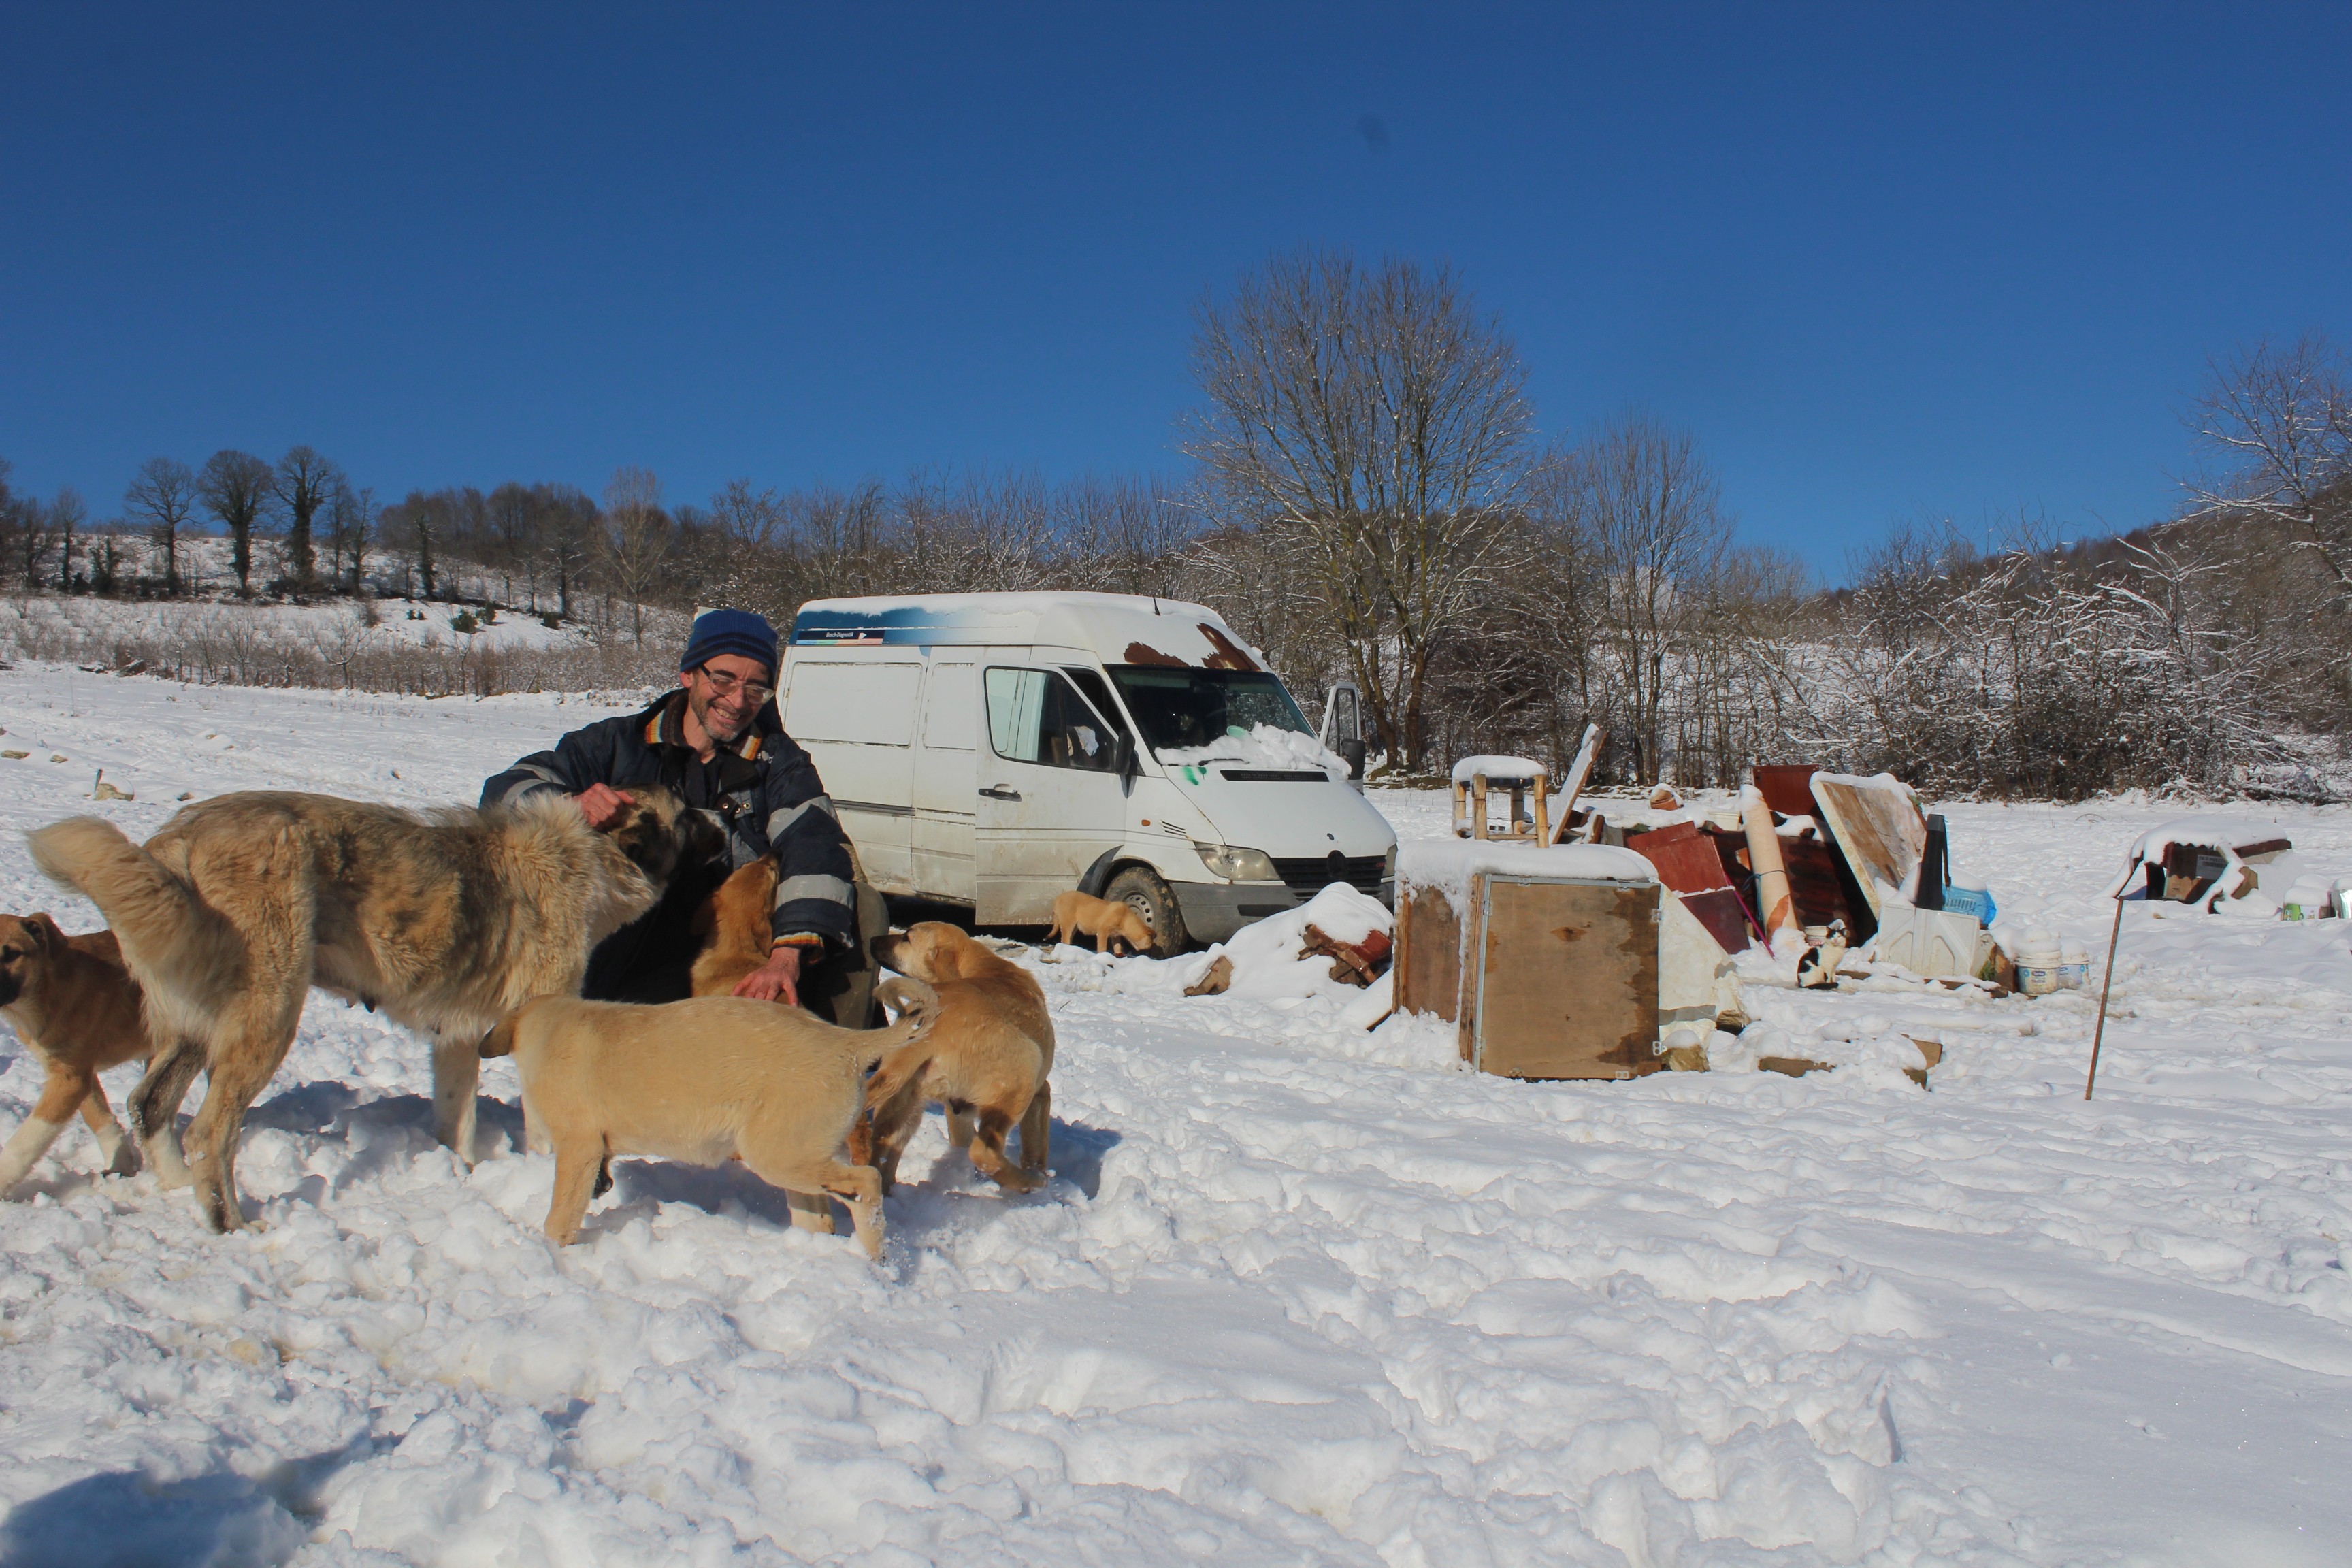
(1050, 797)
(945, 778)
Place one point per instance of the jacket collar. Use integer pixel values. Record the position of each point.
(666, 727)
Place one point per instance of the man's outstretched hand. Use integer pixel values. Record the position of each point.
(778, 980)
(601, 804)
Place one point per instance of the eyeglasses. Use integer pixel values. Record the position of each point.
(723, 684)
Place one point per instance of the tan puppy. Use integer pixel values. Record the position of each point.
(448, 920)
(989, 1053)
(1101, 919)
(734, 926)
(76, 1009)
(701, 1082)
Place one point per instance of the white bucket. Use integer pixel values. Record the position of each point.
(2075, 970)
(2039, 963)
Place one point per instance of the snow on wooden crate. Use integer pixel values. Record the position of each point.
(1555, 963)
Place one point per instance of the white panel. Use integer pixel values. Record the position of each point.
(872, 703)
(948, 708)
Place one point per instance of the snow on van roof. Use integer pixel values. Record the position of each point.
(1121, 629)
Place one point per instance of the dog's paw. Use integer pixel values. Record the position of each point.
(126, 1162)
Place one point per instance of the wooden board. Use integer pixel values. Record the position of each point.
(1731, 854)
(1878, 828)
(1579, 774)
(1428, 963)
(1723, 915)
(1786, 790)
(1685, 858)
(1566, 979)
(1815, 886)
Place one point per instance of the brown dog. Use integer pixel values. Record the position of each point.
(1102, 919)
(734, 927)
(989, 1055)
(76, 1009)
(448, 920)
(703, 1081)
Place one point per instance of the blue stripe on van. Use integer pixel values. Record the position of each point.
(836, 629)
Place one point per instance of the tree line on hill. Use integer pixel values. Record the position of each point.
(1371, 501)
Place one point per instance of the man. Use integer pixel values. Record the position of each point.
(718, 742)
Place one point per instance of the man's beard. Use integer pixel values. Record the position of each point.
(704, 714)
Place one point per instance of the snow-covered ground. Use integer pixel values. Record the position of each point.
(1298, 1293)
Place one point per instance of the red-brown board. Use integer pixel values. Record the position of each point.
(1686, 859)
(1788, 789)
(1721, 913)
(1813, 885)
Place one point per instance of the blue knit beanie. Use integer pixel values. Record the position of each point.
(739, 632)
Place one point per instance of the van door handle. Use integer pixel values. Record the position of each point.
(999, 792)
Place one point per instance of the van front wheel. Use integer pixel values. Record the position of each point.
(1140, 886)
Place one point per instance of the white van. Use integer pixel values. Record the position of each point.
(997, 750)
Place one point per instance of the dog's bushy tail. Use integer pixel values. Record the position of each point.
(904, 1049)
(180, 949)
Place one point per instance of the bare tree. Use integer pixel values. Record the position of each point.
(567, 536)
(66, 515)
(636, 540)
(2282, 419)
(351, 522)
(1377, 423)
(304, 482)
(235, 485)
(163, 497)
(32, 535)
(1645, 510)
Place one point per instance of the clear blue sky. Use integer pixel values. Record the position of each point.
(1881, 259)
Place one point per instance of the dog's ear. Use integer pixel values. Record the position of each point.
(650, 843)
(945, 955)
(45, 931)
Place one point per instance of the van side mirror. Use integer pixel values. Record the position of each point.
(1122, 759)
(1352, 752)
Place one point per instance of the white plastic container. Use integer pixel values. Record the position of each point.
(2039, 961)
(1927, 942)
(2073, 968)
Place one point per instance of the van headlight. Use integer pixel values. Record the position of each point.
(1238, 865)
(1388, 867)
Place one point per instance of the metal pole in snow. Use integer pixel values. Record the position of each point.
(2106, 985)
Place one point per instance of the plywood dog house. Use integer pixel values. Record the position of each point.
(1552, 962)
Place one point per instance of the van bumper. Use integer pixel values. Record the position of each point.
(1214, 910)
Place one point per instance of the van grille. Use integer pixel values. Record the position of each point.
(1306, 874)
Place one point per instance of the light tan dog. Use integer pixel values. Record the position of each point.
(987, 1057)
(734, 926)
(1102, 919)
(76, 1008)
(446, 922)
(702, 1082)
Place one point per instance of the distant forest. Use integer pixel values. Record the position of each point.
(1369, 501)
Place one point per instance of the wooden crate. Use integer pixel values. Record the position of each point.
(1556, 978)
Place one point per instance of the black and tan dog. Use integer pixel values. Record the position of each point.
(446, 921)
(76, 1009)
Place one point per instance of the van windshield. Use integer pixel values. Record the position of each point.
(1182, 708)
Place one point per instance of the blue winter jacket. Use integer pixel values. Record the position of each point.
(771, 802)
